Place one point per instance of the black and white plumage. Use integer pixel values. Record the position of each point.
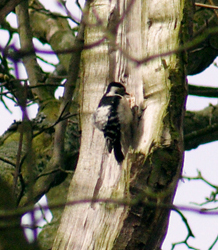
(114, 118)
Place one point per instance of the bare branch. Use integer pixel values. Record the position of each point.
(200, 177)
(120, 202)
(7, 161)
(8, 8)
(18, 54)
(190, 234)
(200, 127)
(202, 91)
(206, 6)
(53, 171)
(208, 130)
(214, 9)
(25, 32)
(213, 195)
(19, 151)
(44, 183)
(215, 241)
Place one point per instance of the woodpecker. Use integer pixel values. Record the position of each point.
(113, 117)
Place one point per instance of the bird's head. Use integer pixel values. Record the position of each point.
(116, 88)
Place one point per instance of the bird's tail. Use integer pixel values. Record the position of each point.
(118, 152)
(117, 149)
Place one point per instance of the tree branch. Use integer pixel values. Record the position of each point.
(206, 6)
(44, 183)
(33, 70)
(202, 91)
(119, 202)
(8, 8)
(201, 127)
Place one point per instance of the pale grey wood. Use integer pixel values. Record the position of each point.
(150, 27)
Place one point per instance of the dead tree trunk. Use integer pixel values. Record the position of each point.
(128, 32)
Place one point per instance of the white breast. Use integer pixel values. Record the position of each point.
(100, 117)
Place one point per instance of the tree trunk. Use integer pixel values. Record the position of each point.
(129, 31)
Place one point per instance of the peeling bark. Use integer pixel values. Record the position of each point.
(134, 30)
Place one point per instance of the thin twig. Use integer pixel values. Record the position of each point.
(215, 241)
(7, 161)
(78, 4)
(61, 117)
(17, 168)
(120, 202)
(215, 11)
(200, 177)
(55, 15)
(190, 233)
(54, 171)
(206, 6)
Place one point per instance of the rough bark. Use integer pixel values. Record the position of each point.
(138, 29)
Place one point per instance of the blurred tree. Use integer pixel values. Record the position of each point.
(147, 45)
